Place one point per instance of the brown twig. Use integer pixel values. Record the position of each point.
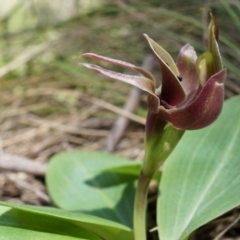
(19, 163)
(220, 235)
(125, 113)
(24, 185)
(64, 128)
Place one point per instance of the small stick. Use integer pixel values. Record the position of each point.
(24, 185)
(123, 112)
(227, 228)
(22, 164)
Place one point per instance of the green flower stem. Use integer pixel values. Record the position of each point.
(160, 140)
(140, 206)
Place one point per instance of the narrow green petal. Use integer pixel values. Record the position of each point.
(205, 67)
(213, 45)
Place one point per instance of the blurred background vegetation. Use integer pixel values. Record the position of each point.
(42, 41)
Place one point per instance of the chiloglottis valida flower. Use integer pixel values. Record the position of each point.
(191, 94)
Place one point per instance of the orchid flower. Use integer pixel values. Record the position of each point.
(190, 97)
(191, 94)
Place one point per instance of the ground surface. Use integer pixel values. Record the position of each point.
(38, 138)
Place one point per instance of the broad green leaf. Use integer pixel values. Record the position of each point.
(105, 229)
(16, 224)
(10, 233)
(76, 182)
(201, 178)
(132, 168)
